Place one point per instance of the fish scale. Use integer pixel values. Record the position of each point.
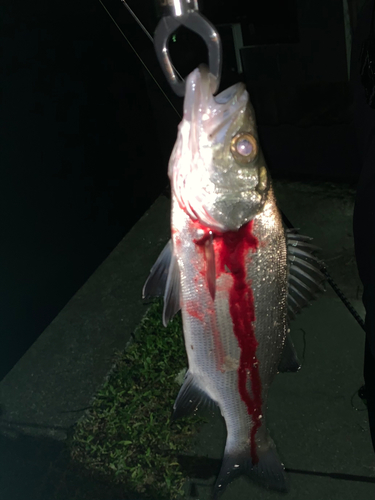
(214, 354)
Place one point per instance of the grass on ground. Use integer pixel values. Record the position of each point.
(127, 434)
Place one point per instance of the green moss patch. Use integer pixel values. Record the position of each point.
(127, 434)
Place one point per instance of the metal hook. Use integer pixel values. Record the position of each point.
(186, 13)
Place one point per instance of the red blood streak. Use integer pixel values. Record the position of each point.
(234, 247)
(231, 249)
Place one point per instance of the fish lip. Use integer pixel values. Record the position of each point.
(199, 94)
(199, 89)
(230, 94)
(211, 116)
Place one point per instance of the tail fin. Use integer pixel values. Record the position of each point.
(268, 472)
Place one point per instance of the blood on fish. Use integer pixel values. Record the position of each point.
(176, 238)
(206, 236)
(210, 310)
(241, 306)
(231, 249)
(234, 247)
(192, 310)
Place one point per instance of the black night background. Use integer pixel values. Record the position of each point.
(87, 125)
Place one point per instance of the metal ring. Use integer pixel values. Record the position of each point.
(200, 25)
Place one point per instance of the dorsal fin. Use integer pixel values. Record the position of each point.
(172, 292)
(305, 279)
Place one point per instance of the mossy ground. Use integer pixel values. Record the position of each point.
(127, 434)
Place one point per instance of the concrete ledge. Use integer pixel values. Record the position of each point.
(48, 389)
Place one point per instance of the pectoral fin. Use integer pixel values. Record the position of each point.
(164, 279)
(157, 279)
(172, 292)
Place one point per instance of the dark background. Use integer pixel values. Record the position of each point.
(86, 133)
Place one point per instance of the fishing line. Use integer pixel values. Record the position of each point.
(304, 343)
(333, 475)
(142, 26)
(139, 57)
(352, 402)
(343, 298)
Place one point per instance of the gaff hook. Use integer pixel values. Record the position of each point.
(185, 13)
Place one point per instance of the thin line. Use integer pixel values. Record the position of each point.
(335, 287)
(333, 475)
(136, 53)
(148, 34)
(304, 344)
(138, 21)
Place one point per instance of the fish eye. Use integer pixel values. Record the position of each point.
(244, 147)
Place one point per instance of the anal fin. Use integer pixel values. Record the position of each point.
(268, 471)
(191, 398)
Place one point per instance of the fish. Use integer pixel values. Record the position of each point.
(235, 272)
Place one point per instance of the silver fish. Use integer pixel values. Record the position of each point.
(229, 270)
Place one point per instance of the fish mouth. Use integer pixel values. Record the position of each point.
(202, 106)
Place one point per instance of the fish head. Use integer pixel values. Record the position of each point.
(217, 169)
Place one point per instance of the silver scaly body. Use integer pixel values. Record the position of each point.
(211, 344)
(234, 272)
